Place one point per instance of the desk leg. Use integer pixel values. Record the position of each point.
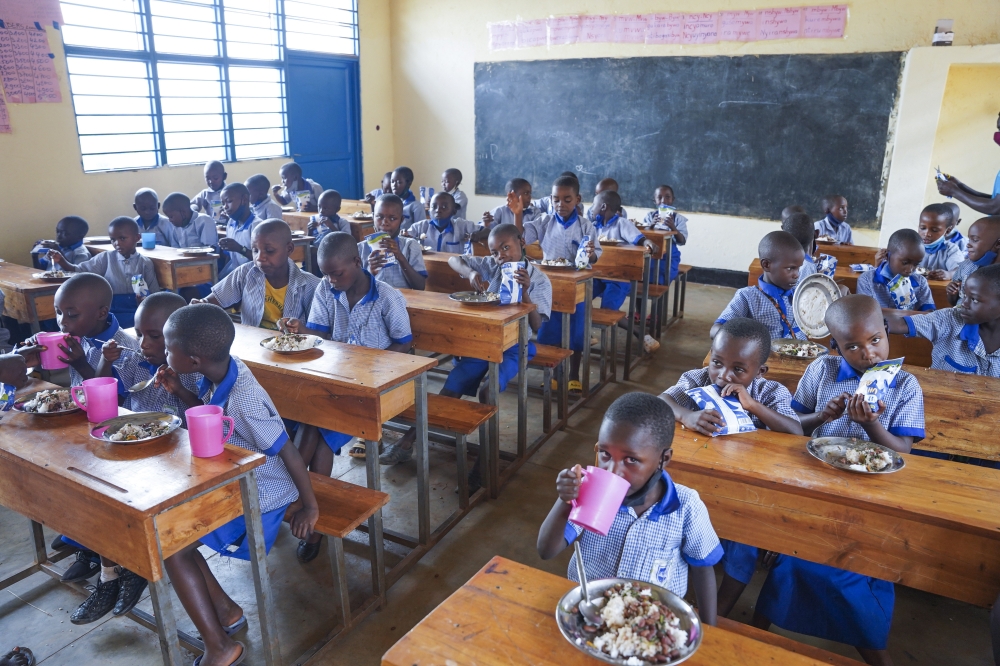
(166, 622)
(588, 309)
(38, 541)
(492, 444)
(423, 463)
(564, 380)
(215, 271)
(629, 330)
(36, 326)
(376, 551)
(258, 568)
(522, 387)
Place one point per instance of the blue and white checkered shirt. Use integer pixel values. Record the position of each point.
(828, 377)
(266, 209)
(246, 284)
(413, 211)
(808, 268)
(680, 222)
(945, 257)
(967, 268)
(545, 207)
(378, 320)
(394, 275)
(161, 228)
(118, 270)
(957, 345)
(876, 284)
(560, 239)
(256, 427)
(539, 285)
(92, 350)
(449, 237)
(656, 547)
(753, 303)
(241, 233)
(504, 215)
(321, 230)
(956, 238)
(769, 393)
(838, 231)
(200, 231)
(619, 228)
(133, 369)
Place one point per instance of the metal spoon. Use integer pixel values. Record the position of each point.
(590, 610)
(142, 386)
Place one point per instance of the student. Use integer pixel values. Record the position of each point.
(662, 531)
(450, 180)
(209, 200)
(413, 210)
(983, 247)
(941, 257)
(815, 599)
(893, 283)
(70, 232)
(520, 189)
(408, 271)
(386, 188)
(560, 236)
(198, 340)
(119, 267)
(263, 207)
(605, 185)
(188, 228)
(446, 231)
(664, 196)
(788, 211)
(955, 236)
(835, 224)
(484, 274)
(147, 207)
(770, 300)
(801, 226)
(545, 205)
(327, 218)
(293, 182)
(239, 227)
(270, 287)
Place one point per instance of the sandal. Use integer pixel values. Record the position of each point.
(239, 659)
(358, 450)
(575, 386)
(27, 658)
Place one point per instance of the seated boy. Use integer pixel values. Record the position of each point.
(835, 224)
(561, 236)
(893, 283)
(955, 236)
(209, 200)
(801, 226)
(445, 231)
(413, 209)
(292, 184)
(519, 189)
(327, 218)
(664, 195)
(70, 232)
(398, 260)
(788, 211)
(270, 287)
(662, 531)
(239, 228)
(198, 339)
(770, 301)
(546, 206)
(604, 185)
(147, 207)
(983, 247)
(854, 609)
(188, 228)
(119, 267)
(941, 257)
(263, 207)
(386, 188)
(450, 180)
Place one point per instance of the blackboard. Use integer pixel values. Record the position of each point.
(742, 136)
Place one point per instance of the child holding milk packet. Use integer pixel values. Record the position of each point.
(391, 258)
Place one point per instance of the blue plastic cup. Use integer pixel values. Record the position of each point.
(148, 241)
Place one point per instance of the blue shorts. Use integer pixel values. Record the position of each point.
(335, 440)
(123, 307)
(740, 560)
(468, 373)
(551, 331)
(230, 540)
(612, 294)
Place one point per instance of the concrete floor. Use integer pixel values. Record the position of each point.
(35, 612)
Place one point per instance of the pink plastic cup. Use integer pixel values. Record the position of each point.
(601, 495)
(50, 357)
(102, 398)
(204, 425)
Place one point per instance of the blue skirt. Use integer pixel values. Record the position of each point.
(740, 560)
(551, 331)
(468, 373)
(611, 293)
(826, 602)
(230, 540)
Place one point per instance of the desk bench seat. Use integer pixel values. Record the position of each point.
(816, 653)
(548, 357)
(607, 321)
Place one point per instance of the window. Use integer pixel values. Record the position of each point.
(165, 82)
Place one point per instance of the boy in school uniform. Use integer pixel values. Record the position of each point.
(119, 267)
(982, 247)
(70, 232)
(941, 256)
(604, 185)
(954, 235)
(209, 200)
(546, 206)
(413, 210)
(560, 236)
(198, 340)
(664, 195)
(263, 207)
(815, 599)
(292, 182)
(239, 228)
(520, 189)
(662, 533)
(147, 207)
(770, 300)
(386, 188)
(801, 226)
(834, 224)
(271, 287)
(408, 270)
(450, 180)
(893, 283)
(327, 218)
(446, 231)
(188, 228)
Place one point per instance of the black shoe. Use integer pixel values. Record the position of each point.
(87, 564)
(131, 589)
(307, 552)
(98, 604)
(59, 544)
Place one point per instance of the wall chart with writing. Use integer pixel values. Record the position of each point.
(27, 69)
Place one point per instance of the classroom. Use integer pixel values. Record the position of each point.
(322, 392)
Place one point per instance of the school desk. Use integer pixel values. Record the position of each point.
(627, 263)
(174, 270)
(569, 288)
(933, 525)
(506, 615)
(444, 326)
(136, 505)
(25, 298)
(849, 279)
(301, 253)
(359, 228)
(849, 254)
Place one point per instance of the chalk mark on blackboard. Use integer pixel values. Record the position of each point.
(736, 101)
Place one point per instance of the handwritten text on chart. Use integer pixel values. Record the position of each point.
(27, 68)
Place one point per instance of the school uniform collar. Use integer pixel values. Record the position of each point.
(846, 371)
(774, 291)
(832, 221)
(955, 236)
(370, 297)
(447, 224)
(409, 198)
(882, 274)
(936, 246)
(970, 333)
(142, 223)
(568, 222)
(221, 393)
(109, 332)
(147, 365)
(986, 259)
(246, 225)
(600, 223)
(668, 504)
(809, 259)
(69, 248)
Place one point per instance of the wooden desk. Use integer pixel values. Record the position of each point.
(849, 254)
(664, 240)
(440, 276)
(626, 263)
(570, 287)
(173, 270)
(934, 525)
(506, 615)
(136, 505)
(359, 228)
(25, 298)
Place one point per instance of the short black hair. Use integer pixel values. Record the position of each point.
(646, 412)
(990, 274)
(606, 183)
(75, 224)
(176, 201)
(776, 243)
(405, 172)
(851, 308)
(236, 188)
(943, 211)
(124, 221)
(830, 199)
(610, 197)
(568, 174)
(905, 239)
(162, 301)
(742, 328)
(146, 192)
(514, 184)
(89, 283)
(203, 330)
(454, 172)
(568, 181)
(664, 187)
(214, 164)
(788, 211)
(291, 167)
(956, 212)
(330, 193)
(445, 194)
(506, 230)
(258, 180)
(275, 227)
(337, 244)
(802, 227)
(389, 199)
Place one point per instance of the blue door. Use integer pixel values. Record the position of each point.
(324, 120)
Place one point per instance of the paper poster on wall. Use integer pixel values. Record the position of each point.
(531, 33)
(503, 36)
(700, 29)
(4, 118)
(664, 28)
(824, 22)
(738, 26)
(27, 68)
(630, 29)
(597, 29)
(27, 12)
(783, 23)
(8, 69)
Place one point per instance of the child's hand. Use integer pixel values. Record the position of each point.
(276, 190)
(707, 421)
(740, 392)
(953, 288)
(881, 255)
(72, 352)
(392, 247)
(668, 221)
(478, 283)
(376, 260)
(936, 274)
(568, 484)
(370, 199)
(56, 257)
(521, 277)
(312, 226)
(303, 521)
(514, 203)
(835, 408)
(859, 411)
(51, 245)
(591, 250)
(111, 351)
(29, 350)
(649, 247)
(290, 324)
(168, 380)
(231, 245)
(487, 218)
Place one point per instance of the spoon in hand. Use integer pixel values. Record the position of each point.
(591, 613)
(142, 386)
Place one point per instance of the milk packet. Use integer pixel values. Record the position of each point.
(217, 209)
(375, 243)
(736, 418)
(7, 392)
(862, 268)
(510, 288)
(582, 256)
(665, 212)
(902, 293)
(302, 199)
(827, 265)
(877, 380)
(139, 286)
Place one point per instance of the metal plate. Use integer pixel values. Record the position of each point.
(426, 250)
(571, 622)
(778, 343)
(568, 267)
(48, 277)
(813, 295)
(830, 449)
(105, 429)
(18, 406)
(609, 241)
(313, 340)
(195, 251)
(475, 298)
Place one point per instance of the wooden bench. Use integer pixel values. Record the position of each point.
(819, 654)
(681, 284)
(548, 358)
(607, 322)
(621, 263)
